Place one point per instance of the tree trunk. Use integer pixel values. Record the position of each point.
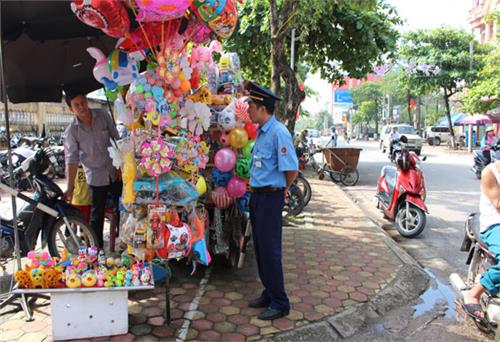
(448, 115)
(417, 115)
(389, 109)
(409, 107)
(290, 92)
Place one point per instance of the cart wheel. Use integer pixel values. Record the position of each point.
(336, 177)
(349, 176)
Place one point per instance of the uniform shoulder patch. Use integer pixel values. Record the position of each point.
(284, 150)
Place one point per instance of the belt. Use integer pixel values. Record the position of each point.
(267, 189)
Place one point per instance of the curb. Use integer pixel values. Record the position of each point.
(409, 282)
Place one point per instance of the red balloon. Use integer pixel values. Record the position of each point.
(108, 15)
(251, 129)
(151, 33)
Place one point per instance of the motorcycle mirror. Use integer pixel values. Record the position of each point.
(403, 139)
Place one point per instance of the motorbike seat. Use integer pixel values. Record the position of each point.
(475, 229)
(390, 174)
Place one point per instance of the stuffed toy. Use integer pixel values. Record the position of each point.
(23, 279)
(37, 278)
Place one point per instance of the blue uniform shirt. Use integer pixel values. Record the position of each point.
(272, 155)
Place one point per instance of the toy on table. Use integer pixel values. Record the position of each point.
(89, 279)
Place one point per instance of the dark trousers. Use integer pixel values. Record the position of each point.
(266, 219)
(99, 200)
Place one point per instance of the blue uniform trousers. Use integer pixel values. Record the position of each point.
(491, 278)
(266, 219)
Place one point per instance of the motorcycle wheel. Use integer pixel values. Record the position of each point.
(59, 238)
(304, 185)
(416, 224)
(295, 201)
(349, 176)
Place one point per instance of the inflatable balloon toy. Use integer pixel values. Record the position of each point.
(226, 118)
(109, 16)
(161, 10)
(124, 68)
(220, 178)
(225, 22)
(251, 130)
(241, 109)
(221, 198)
(242, 168)
(208, 10)
(247, 149)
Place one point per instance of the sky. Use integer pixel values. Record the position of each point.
(418, 14)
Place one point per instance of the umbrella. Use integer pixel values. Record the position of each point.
(479, 119)
(45, 51)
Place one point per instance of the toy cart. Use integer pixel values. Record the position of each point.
(340, 164)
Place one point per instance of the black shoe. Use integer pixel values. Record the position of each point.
(270, 314)
(259, 302)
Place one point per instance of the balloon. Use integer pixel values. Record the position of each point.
(227, 119)
(247, 149)
(109, 16)
(221, 198)
(225, 159)
(220, 178)
(161, 10)
(238, 138)
(207, 10)
(151, 33)
(236, 187)
(251, 129)
(242, 168)
(223, 25)
(201, 186)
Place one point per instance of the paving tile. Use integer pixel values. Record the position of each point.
(268, 331)
(10, 335)
(202, 324)
(224, 327)
(156, 321)
(283, 324)
(141, 329)
(152, 311)
(260, 323)
(209, 335)
(216, 317)
(247, 329)
(164, 331)
(123, 338)
(229, 310)
(232, 337)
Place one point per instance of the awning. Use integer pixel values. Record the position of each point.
(480, 119)
(455, 118)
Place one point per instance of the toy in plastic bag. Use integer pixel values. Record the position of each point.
(128, 227)
(173, 190)
(157, 222)
(178, 243)
(139, 245)
(200, 252)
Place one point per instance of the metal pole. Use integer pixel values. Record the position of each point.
(292, 50)
(9, 150)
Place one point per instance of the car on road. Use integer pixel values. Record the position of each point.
(436, 135)
(414, 140)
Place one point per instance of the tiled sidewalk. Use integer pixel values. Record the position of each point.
(335, 259)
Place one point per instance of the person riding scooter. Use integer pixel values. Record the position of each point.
(393, 138)
(490, 234)
(489, 140)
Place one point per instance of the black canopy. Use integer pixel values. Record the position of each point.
(44, 47)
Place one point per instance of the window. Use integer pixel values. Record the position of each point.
(406, 130)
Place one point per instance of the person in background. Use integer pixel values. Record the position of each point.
(300, 142)
(393, 137)
(488, 141)
(81, 198)
(274, 167)
(86, 141)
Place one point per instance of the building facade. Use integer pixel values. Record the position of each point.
(483, 26)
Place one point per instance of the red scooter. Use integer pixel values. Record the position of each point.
(401, 193)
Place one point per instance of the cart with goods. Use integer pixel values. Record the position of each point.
(340, 164)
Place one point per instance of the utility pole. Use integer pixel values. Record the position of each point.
(292, 50)
(471, 54)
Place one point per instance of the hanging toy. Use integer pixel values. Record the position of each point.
(156, 157)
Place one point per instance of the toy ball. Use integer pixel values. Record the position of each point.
(243, 168)
(238, 138)
(244, 201)
(220, 178)
(221, 198)
(236, 187)
(225, 159)
(247, 149)
(251, 130)
(201, 186)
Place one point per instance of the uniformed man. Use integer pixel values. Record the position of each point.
(274, 168)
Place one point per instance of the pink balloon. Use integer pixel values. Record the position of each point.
(225, 159)
(236, 187)
(161, 10)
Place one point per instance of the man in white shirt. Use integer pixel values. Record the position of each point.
(393, 137)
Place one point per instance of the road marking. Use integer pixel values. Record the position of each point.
(193, 307)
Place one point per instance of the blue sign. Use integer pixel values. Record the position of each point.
(341, 96)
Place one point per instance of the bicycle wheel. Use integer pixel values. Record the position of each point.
(349, 176)
(304, 185)
(60, 238)
(295, 201)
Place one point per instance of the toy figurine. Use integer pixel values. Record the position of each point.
(128, 278)
(120, 277)
(89, 279)
(82, 253)
(100, 279)
(110, 262)
(101, 259)
(92, 255)
(73, 280)
(136, 277)
(110, 279)
(37, 278)
(145, 277)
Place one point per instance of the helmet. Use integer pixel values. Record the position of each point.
(403, 160)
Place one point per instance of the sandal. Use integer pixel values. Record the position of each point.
(471, 309)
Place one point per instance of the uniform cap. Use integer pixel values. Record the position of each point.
(258, 93)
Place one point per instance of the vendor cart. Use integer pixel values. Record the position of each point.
(340, 164)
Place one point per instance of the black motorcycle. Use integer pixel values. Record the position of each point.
(481, 161)
(46, 215)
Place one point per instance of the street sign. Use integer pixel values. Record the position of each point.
(341, 96)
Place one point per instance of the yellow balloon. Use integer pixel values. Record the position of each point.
(201, 186)
(238, 137)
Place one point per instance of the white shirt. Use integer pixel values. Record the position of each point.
(489, 215)
(394, 136)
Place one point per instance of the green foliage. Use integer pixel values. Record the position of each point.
(366, 113)
(446, 48)
(332, 37)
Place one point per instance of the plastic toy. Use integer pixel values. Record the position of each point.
(100, 279)
(37, 278)
(23, 279)
(89, 279)
(73, 280)
(128, 278)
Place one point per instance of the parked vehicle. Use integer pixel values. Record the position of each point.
(436, 135)
(479, 260)
(480, 161)
(46, 215)
(414, 140)
(401, 193)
